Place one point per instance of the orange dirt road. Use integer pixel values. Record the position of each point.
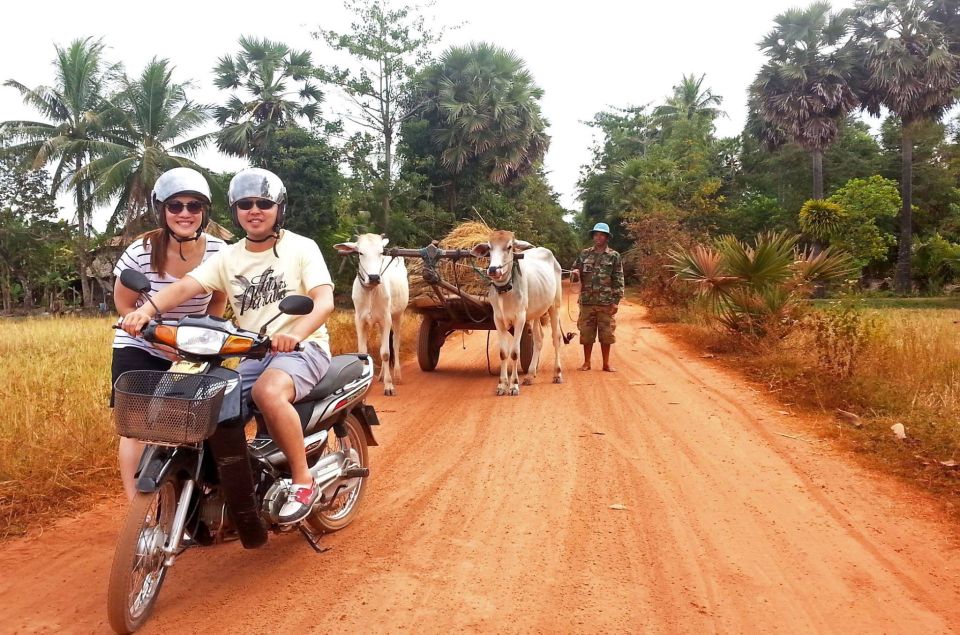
(493, 514)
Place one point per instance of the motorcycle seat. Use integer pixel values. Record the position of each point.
(343, 370)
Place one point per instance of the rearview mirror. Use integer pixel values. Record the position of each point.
(296, 305)
(134, 280)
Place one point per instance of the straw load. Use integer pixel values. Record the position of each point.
(460, 273)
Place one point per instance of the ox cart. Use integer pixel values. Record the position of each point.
(449, 308)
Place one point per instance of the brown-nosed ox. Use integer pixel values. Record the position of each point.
(522, 291)
(380, 295)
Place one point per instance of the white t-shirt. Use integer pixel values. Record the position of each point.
(255, 282)
(137, 257)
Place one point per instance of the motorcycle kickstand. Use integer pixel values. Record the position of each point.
(312, 538)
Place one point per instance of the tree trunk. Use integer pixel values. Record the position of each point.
(27, 292)
(817, 158)
(384, 220)
(6, 292)
(83, 219)
(905, 248)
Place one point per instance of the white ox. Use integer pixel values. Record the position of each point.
(524, 291)
(380, 295)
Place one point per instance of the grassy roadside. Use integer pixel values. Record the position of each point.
(57, 440)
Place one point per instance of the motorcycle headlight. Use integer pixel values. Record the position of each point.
(200, 341)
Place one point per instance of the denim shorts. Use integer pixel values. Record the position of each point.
(306, 368)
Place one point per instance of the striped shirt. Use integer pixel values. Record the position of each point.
(137, 257)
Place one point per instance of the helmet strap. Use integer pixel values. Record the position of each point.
(180, 241)
(275, 236)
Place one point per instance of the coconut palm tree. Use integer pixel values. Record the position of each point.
(804, 90)
(74, 109)
(279, 93)
(483, 107)
(910, 69)
(148, 121)
(690, 101)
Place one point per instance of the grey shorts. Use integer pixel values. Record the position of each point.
(306, 368)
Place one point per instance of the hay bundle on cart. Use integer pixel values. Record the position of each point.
(460, 273)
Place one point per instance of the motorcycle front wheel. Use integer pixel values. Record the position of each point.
(138, 569)
(342, 510)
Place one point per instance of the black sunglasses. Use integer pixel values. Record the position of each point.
(194, 207)
(261, 203)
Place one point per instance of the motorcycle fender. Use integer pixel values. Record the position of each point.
(367, 416)
(157, 462)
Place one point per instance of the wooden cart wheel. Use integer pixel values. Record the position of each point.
(428, 344)
(526, 349)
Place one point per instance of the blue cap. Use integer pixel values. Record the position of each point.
(601, 227)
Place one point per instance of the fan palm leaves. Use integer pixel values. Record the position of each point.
(275, 90)
(756, 289)
(485, 111)
(804, 90)
(911, 67)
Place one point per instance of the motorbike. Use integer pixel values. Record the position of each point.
(202, 479)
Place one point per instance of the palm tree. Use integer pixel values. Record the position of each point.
(265, 70)
(804, 90)
(690, 101)
(484, 109)
(74, 108)
(909, 68)
(149, 118)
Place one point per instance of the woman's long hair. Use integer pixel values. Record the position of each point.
(159, 239)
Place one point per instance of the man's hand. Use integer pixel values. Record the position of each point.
(613, 309)
(575, 276)
(134, 322)
(284, 343)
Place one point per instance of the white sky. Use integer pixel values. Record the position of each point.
(587, 56)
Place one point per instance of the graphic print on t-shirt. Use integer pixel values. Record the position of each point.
(264, 289)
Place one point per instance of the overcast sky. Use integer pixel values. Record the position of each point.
(587, 56)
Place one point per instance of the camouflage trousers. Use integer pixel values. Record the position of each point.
(597, 320)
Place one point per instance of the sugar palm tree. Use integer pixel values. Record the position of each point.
(484, 109)
(804, 90)
(278, 91)
(74, 111)
(910, 68)
(148, 123)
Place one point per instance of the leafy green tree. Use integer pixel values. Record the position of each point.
(308, 166)
(275, 90)
(484, 115)
(690, 101)
(74, 108)
(804, 88)
(910, 69)
(936, 262)
(389, 44)
(30, 236)
(148, 123)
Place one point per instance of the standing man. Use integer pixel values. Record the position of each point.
(600, 271)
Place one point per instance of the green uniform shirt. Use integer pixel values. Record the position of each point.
(601, 277)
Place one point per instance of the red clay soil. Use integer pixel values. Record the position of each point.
(493, 514)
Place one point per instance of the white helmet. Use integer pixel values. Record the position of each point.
(257, 183)
(176, 182)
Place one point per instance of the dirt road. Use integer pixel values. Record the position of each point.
(492, 514)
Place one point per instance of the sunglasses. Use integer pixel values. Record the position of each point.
(261, 203)
(194, 207)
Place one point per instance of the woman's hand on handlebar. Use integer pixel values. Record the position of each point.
(284, 343)
(134, 322)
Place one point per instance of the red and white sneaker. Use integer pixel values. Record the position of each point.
(300, 500)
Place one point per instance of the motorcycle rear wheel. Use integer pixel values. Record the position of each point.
(345, 507)
(138, 571)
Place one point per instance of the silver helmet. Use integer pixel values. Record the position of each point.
(257, 183)
(176, 182)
